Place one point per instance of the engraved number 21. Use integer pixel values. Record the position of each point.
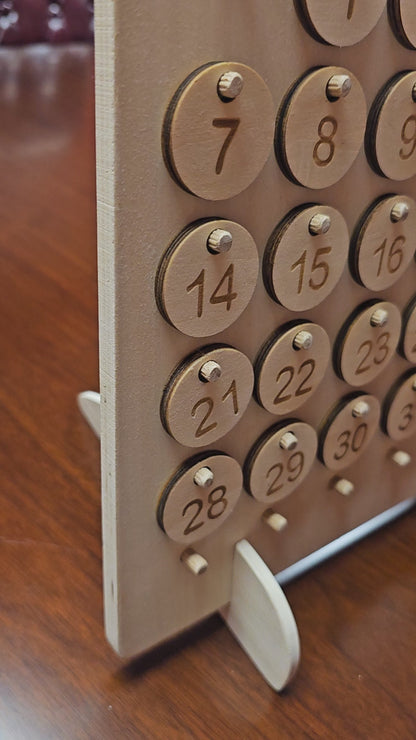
(208, 403)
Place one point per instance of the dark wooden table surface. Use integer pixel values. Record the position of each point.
(58, 677)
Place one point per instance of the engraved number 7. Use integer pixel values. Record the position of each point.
(350, 9)
(232, 124)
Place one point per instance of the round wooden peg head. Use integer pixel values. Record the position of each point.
(210, 371)
(195, 562)
(275, 521)
(288, 441)
(204, 477)
(218, 130)
(230, 85)
(220, 241)
(344, 487)
(401, 458)
(320, 223)
(339, 86)
(399, 212)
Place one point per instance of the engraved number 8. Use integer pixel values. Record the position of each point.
(325, 140)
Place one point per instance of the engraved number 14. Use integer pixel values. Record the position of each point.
(228, 297)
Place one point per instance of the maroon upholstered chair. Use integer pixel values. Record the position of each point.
(31, 21)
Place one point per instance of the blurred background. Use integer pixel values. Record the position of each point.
(32, 21)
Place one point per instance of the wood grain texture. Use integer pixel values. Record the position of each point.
(191, 281)
(362, 349)
(381, 248)
(391, 129)
(271, 472)
(188, 512)
(199, 129)
(58, 678)
(198, 413)
(285, 374)
(344, 437)
(301, 269)
(307, 115)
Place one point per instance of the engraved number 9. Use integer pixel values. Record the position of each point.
(408, 136)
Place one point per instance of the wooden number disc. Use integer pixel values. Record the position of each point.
(399, 411)
(391, 129)
(408, 338)
(199, 497)
(344, 23)
(382, 247)
(214, 146)
(207, 395)
(287, 376)
(280, 460)
(300, 268)
(367, 342)
(200, 291)
(402, 15)
(317, 138)
(344, 435)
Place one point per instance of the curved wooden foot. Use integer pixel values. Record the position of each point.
(261, 619)
(89, 405)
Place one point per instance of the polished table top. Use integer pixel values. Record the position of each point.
(58, 677)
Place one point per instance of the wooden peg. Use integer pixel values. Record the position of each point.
(401, 458)
(276, 521)
(195, 562)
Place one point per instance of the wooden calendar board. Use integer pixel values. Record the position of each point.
(158, 66)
